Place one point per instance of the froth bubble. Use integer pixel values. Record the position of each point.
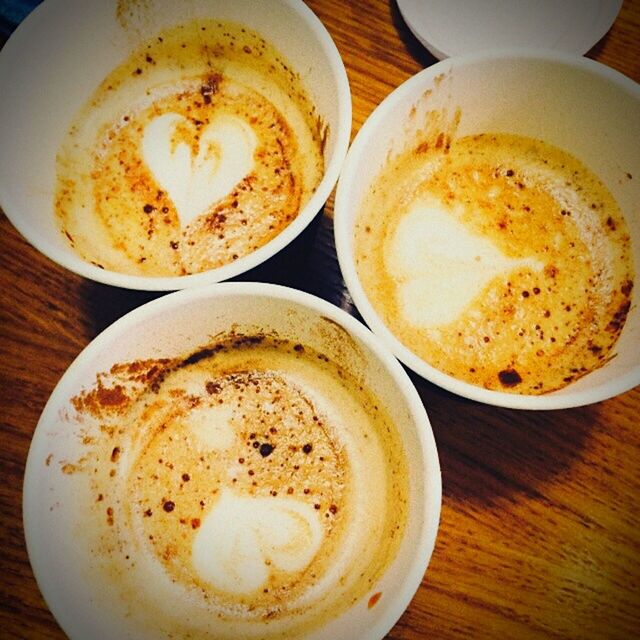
(244, 537)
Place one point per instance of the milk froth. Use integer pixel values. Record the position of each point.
(434, 286)
(253, 484)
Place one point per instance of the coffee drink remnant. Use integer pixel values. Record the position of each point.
(498, 259)
(197, 150)
(252, 488)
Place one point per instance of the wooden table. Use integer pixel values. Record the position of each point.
(540, 529)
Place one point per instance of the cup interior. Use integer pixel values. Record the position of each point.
(573, 103)
(64, 49)
(186, 320)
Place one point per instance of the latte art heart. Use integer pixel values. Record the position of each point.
(243, 537)
(196, 182)
(440, 267)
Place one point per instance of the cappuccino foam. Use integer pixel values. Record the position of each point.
(252, 488)
(498, 259)
(197, 150)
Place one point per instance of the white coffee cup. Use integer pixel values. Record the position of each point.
(573, 103)
(177, 324)
(59, 55)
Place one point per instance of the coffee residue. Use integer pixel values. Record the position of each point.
(374, 599)
(246, 445)
(498, 259)
(200, 148)
(509, 378)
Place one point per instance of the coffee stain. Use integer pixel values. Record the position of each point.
(133, 15)
(434, 127)
(339, 327)
(322, 128)
(342, 345)
(440, 130)
(374, 599)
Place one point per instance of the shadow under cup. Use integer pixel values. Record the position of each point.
(575, 104)
(182, 323)
(61, 53)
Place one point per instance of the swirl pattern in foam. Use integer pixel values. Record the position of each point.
(254, 484)
(196, 151)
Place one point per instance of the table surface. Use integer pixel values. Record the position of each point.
(540, 530)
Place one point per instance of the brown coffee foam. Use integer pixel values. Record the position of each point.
(526, 330)
(116, 215)
(287, 451)
(159, 483)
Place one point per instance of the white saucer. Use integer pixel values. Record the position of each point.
(455, 27)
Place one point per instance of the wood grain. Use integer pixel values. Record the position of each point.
(540, 529)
